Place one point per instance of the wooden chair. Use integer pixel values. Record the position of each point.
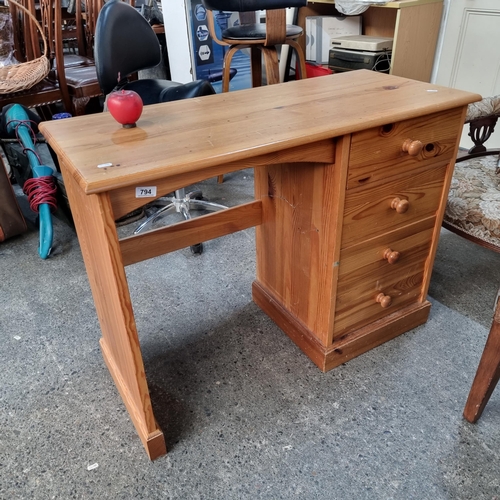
(89, 16)
(260, 38)
(473, 211)
(49, 91)
(79, 75)
(488, 373)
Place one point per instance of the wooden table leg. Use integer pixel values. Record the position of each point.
(488, 373)
(98, 239)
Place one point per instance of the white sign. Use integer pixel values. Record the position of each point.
(145, 192)
(204, 52)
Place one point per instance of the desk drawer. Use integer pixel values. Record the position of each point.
(390, 268)
(372, 211)
(379, 153)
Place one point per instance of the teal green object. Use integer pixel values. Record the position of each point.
(16, 118)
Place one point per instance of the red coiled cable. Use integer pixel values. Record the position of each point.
(38, 189)
(41, 190)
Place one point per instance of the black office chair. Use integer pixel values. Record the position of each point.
(124, 44)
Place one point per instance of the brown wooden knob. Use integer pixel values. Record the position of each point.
(384, 300)
(400, 205)
(391, 256)
(413, 148)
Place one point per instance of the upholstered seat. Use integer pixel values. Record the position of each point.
(257, 31)
(473, 208)
(474, 199)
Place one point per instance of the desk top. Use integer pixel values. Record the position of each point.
(196, 134)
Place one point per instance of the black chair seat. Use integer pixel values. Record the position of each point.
(150, 89)
(257, 32)
(251, 5)
(153, 91)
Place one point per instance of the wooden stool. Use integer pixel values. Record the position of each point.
(260, 38)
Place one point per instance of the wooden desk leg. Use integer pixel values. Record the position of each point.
(96, 230)
(488, 373)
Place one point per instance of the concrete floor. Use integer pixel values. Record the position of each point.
(246, 415)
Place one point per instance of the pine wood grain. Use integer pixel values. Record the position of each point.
(124, 199)
(120, 343)
(319, 239)
(377, 153)
(415, 40)
(183, 234)
(194, 135)
(299, 236)
(350, 345)
(368, 211)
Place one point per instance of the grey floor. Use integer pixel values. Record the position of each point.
(246, 415)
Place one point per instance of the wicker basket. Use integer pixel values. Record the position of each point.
(24, 75)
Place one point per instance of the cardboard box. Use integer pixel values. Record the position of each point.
(321, 29)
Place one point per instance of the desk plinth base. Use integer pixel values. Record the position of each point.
(354, 344)
(153, 442)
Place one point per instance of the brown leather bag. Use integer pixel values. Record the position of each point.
(12, 221)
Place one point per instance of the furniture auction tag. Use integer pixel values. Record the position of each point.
(145, 192)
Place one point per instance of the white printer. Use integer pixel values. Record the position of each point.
(360, 52)
(362, 42)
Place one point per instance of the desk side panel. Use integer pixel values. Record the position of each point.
(96, 230)
(298, 242)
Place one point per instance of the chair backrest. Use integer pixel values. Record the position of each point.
(28, 47)
(91, 9)
(249, 5)
(52, 24)
(124, 44)
(26, 36)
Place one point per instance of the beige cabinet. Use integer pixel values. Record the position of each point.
(414, 25)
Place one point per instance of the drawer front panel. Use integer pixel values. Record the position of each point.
(371, 211)
(367, 272)
(378, 153)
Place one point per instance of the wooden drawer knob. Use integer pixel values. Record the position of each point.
(400, 205)
(413, 148)
(384, 300)
(391, 256)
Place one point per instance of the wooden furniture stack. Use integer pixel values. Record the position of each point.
(73, 79)
(351, 177)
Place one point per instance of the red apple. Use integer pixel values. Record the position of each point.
(125, 107)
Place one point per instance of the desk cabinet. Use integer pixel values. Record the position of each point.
(414, 25)
(354, 242)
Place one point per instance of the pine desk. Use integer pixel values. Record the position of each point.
(351, 178)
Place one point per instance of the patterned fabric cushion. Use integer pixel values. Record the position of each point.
(486, 107)
(474, 198)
